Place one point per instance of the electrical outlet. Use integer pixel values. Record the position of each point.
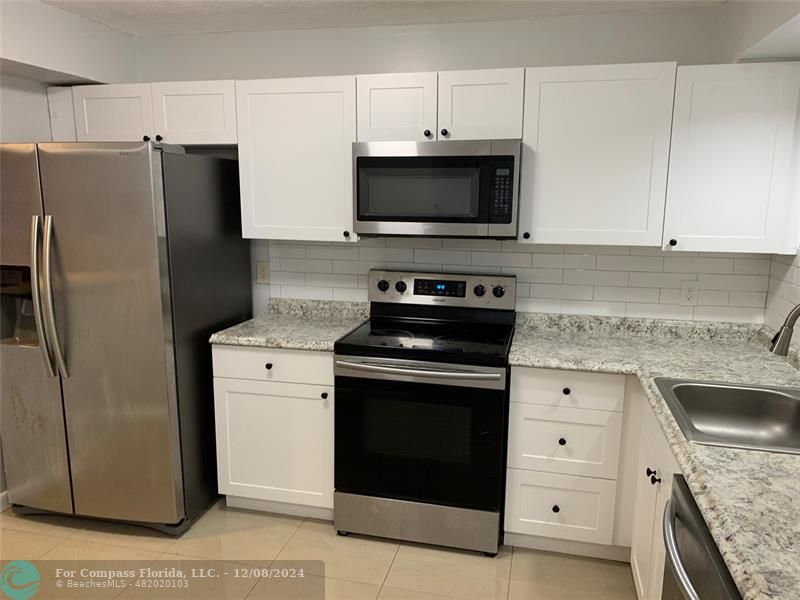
(262, 271)
(689, 293)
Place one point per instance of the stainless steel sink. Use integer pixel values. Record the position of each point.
(737, 416)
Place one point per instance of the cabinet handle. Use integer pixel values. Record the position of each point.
(159, 138)
(566, 391)
(346, 234)
(673, 242)
(146, 138)
(650, 471)
(654, 480)
(526, 235)
(324, 395)
(268, 366)
(427, 133)
(562, 442)
(556, 509)
(445, 132)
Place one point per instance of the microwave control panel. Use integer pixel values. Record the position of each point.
(502, 194)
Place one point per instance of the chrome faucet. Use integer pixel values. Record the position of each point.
(780, 343)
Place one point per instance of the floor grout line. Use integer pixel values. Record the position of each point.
(389, 570)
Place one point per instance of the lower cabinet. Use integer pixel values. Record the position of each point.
(275, 440)
(657, 466)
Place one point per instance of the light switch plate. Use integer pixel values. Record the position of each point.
(262, 271)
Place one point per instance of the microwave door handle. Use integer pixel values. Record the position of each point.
(674, 557)
(36, 294)
(394, 370)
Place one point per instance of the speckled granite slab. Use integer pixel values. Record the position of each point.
(750, 500)
(296, 324)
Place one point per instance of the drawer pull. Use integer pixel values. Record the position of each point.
(566, 391)
(268, 366)
(562, 442)
(556, 509)
(650, 471)
(654, 480)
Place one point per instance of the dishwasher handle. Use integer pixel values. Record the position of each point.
(673, 555)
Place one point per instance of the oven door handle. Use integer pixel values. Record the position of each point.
(393, 370)
(673, 555)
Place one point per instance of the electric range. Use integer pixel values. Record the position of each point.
(422, 410)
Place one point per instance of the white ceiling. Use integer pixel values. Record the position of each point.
(158, 17)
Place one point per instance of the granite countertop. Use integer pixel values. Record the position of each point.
(749, 499)
(296, 324)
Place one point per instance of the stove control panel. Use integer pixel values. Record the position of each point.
(459, 290)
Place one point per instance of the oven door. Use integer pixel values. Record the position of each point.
(422, 432)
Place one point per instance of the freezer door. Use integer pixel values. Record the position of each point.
(112, 315)
(31, 412)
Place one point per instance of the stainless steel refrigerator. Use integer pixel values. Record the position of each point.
(118, 260)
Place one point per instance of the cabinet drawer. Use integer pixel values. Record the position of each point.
(560, 506)
(270, 364)
(571, 389)
(564, 440)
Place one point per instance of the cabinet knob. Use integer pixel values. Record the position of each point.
(566, 391)
(562, 442)
(556, 509)
(445, 132)
(526, 235)
(324, 395)
(654, 480)
(673, 242)
(268, 366)
(159, 138)
(427, 133)
(146, 138)
(346, 234)
(650, 471)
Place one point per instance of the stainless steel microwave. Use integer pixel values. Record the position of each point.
(448, 189)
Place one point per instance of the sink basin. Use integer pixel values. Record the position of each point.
(737, 416)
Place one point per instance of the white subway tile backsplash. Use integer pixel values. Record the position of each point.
(630, 263)
(597, 280)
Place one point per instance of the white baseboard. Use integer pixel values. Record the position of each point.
(281, 508)
(535, 542)
(4, 504)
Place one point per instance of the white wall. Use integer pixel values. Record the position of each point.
(54, 41)
(24, 115)
(597, 280)
(689, 36)
(744, 24)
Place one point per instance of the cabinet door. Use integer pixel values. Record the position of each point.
(730, 169)
(195, 112)
(396, 106)
(296, 158)
(275, 441)
(113, 113)
(62, 114)
(595, 153)
(482, 104)
(644, 519)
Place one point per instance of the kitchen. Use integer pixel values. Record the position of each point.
(518, 273)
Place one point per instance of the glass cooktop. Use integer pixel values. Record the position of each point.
(422, 339)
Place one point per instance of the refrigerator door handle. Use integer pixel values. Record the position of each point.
(48, 295)
(36, 294)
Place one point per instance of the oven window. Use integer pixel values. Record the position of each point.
(427, 443)
(419, 189)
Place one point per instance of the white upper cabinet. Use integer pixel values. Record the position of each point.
(481, 104)
(113, 113)
(396, 106)
(181, 112)
(595, 153)
(295, 157)
(730, 173)
(195, 112)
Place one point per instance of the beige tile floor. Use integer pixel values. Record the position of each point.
(356, 568)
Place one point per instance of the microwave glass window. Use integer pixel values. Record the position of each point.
(419, 193)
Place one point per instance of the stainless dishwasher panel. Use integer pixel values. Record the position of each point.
(694, 568)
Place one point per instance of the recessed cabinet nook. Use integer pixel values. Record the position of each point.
(693, 158)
